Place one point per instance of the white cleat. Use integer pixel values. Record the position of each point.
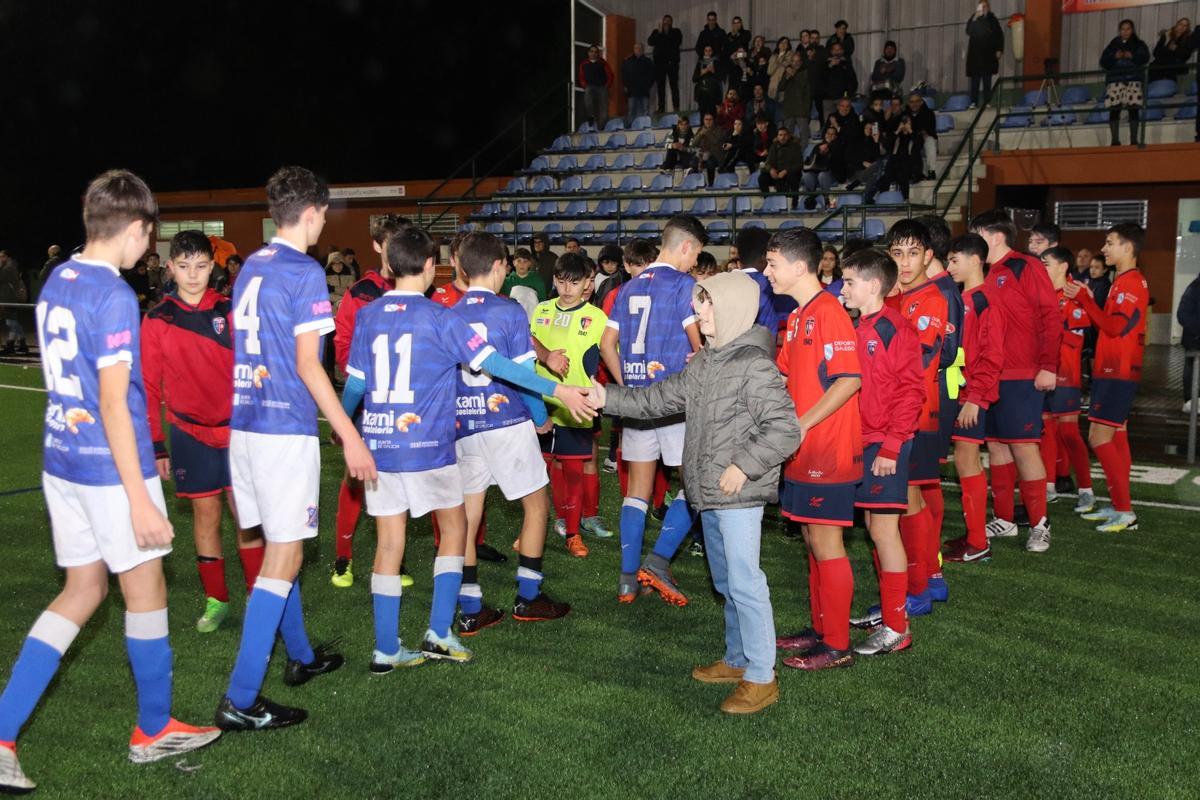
(12, 777)
(1039, 537)
(1001, 529)
(1087, 502)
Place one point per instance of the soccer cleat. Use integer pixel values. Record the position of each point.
(918, 605)
(960, 551)
(1087, 502)
(696, 548)
(576, 547)
(175, 739)
(750, 698)
(1039, 537)
(870, 620)
(595, 526)
(939, 592)
(382, 663)
(538, 609)
(1121, 521)
(215, 613)
(883, 641)
(325, 659)
(343, 575)
(718, 672)
(1051, 493)
(1100, 515)
(406, 580)
(1064, 484)
(663, 582)
(471, 624)
(12, 777)
(806, 639)
(628, 589)
(610, 466)
(447, 648)
(821, 657)
(1001, 529)
(262, 715)
(560, 527)
(488, 553)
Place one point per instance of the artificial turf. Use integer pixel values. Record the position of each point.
(1065, 674)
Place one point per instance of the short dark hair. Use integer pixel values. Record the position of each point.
(996, 220)
(572, 239)
(706, 261)
(640, 252)
(735, 18)
(1049, 230)
(969, 244)
(235, 258)
(384, 225)
(407, 251)
(1060, 253)
(751, 244)
(189, 243)
(291, 190)
(113, 200)
(683, 226)
(1132, 233)
(456, 242)
(797, 244)
(939, 234)
(610, 252)
(523, 252)
(874, 264)
(841, 23)
(908, 230)
(572, 267)
(478, 252)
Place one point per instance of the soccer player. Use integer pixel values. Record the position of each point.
(819, 359)
(1043, 237)
(497, 440)
(1033, 335)
(107, 512)
(922, 303)
(281, 310)
(573, 325)
(367, 289)
(403, 365)
(890, 403)
(773, 309)
(983, 352)
(1060, 420)
(1117, 368)
(187, 361)
(650, 336)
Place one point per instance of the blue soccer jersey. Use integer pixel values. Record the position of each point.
(485, 404)
(280, 293)
(407, 350)
(88, 319)
(651, 314)
(773, 309)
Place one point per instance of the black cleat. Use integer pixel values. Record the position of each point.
(486, 552)
(538, 609)
(262, 715)
(1064, 484)
(659, 512)
(471, 624)
(325, 659)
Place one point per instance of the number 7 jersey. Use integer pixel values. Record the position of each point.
(651, 314)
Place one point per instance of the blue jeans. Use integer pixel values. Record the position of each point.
(732, 542)
(638, 107)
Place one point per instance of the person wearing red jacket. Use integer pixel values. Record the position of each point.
(1033, 335)
(1117, 368)
(595, 78)
(890, 401)
(983, 358)
(187, 364)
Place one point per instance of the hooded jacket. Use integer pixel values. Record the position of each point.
(737, 406)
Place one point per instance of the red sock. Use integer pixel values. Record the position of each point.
(558, 492)
(251, 558)
(591, 494)
(892, 586)
(349, 509)
(481, 534)
(1122, 440)
(837, 592)
(1062, 464)
(1004, 489)
(1033, 496)
(814, 595)
(915, 537)
(935, 506)
(660, 486)
(974, 503)
(1115, 473)
(1076, 453)
(212, 578)
(622, 474)
(572, 505)
(1049, 447)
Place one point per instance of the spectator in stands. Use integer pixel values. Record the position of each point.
(711, 35)
(1188, 315)
(924, 127)
(985, 46)
(761, 104)
(1043, 236)
(680, 152)
(707, 143)
(139, 281)
(778, 62)
(1123, 60)
(572, 245)
(707, 78)
(730, 109)
(233, 265)
(524, 284)
(830, 270)
(1172, 52)
(611, 273)
(1098, 279)
(637, 76)
(666, 41)
(762, 137)
(841, 36)
(818, 170)
(12, 290)
(338, 276)
(154, 276)
(814, 42)
(740, 74)
(864, 158)
(739, 147)
(544, 258)
(797, 98)
(784, 165)
(839, 79)
(875, 111)
(889, 71)
(759, 50)
(892, 114)
(1083, 262)
(845, 121)
(595, 76)
(903, 160)
(736, 38)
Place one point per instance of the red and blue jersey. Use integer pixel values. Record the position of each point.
(407, 349)
(1121, 343)
(952, 334)
(893, 380)
(485, 404)
(280, 294)
(87, 320)
(651, 314)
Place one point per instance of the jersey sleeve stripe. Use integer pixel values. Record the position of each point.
(521, 359)
(355, 373)
(115, 358)
(480, 357)
(323, 325)
(612, 323)
(689, 320)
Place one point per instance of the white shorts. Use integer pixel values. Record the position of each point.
(92, 523)
(651, 444)
(510, 458)
(417, 493)
(276, 483)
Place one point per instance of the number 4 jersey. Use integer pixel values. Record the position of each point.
(88, 319)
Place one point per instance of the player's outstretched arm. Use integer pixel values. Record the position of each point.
(359, 461)
(507, 370)
(663, 399)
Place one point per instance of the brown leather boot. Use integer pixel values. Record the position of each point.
(718, 672)
(749, 698)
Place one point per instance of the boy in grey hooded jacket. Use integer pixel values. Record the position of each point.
(742, 425)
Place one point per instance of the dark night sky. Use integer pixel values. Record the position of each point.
(218, 94)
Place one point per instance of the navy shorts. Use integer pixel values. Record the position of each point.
(977, 433)
(888, 494)
(947, 414)
(1063, 401)
(1017, 416)
(923, 466)
(564, 442)
(200, 470)
(818, 503)
(1111, 401)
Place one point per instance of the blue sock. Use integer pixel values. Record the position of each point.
(675, 527)
(447, 577)
(48, 639)
(470, 595)
(633, 529)
(291, 628)
(150, 659)
(385, 597)
(264, 610)
(529, 578)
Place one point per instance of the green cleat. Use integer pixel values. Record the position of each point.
(595, 526)
(343, 575)
(444, 649)
(1118, 522)
(215, 613)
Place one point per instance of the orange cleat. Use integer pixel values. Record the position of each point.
(576, 547)
(664, 584)
(175, 739)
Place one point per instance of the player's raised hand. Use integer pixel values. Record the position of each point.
(558, 363)
(576, 401)
(359, 461)
(151, 528)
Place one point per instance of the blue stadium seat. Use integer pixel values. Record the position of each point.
(957, 102)
(666, 122)
(644, 139)
(1098, 115)
(661, 183)
(931, 101)
(605, 208)
(669, 207)
(514, 185)
(594, 163)
(815, 115)
(524, 231)
(609, 235)
(830, 230)
(489, 210)
(751, 181)
(1153, 112)
(1034, 98)
(859, 105)
(586, 127)
(571, 183)
(791, 223)
(1018, 120)
(576, 208)
(521, 210)
(850, 200)
(614, 124)
(1076, 95)
(590, 141)
(546, 208)
(583, 231)
(648, 230)
(539, 164)
(718, 232)
(774, 204)
(553, 231)
(542, 184)
(622, 162)
(739, 204)
(692, 182)
(1060, 118)
(638, 208)
(945, 123)
(560, 144)
(1162, 88)
(616, 142)
(703, 206)
(753, 223)
(889, 198)
(564, 164)
(1192, 89)
(725, 181)
(640, 124)
(468, 227)
(1187, 112)
(494, 228)
(630, 183)
(694, 119)
(653, 160)
(874, 230)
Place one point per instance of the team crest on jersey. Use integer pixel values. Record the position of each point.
(392, 307)
(74, 417)
(69, 274)
(218, 324)
(809, 324)
(1000, 281)
(585, 323)
(312, 517)
(913, 307)
(1120, 297)
(542, 321)
(922, 322)
(828, 350)
(474, 300)
(950, 328)
(871, 345)
(1077, 313)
